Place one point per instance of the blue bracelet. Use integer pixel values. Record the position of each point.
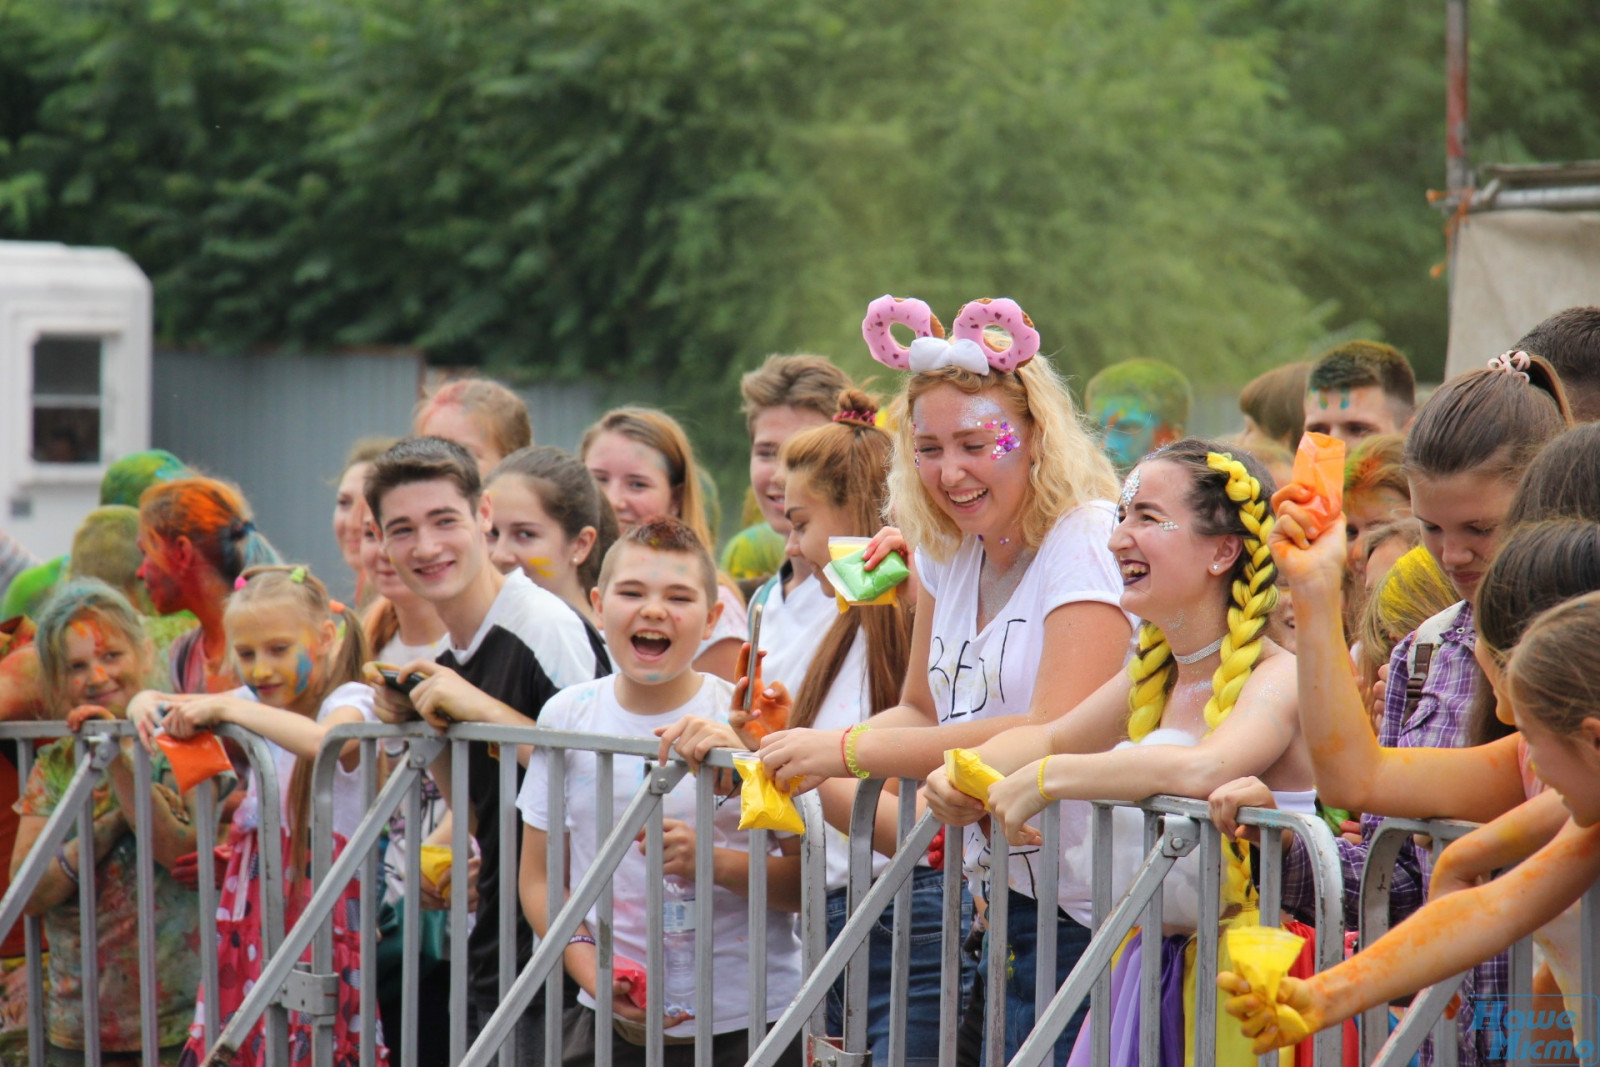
(66, 868)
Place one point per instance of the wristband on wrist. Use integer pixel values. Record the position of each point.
(850, 737)
(1042, 793)
(580, 939)
(66, 868)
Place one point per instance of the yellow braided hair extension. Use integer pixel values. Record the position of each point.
(1150, 670)
(1254, 592)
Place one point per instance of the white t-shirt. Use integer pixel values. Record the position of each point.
(347, 806)
(592, 707)
(791, 629)
(734, 623)
(989, 673)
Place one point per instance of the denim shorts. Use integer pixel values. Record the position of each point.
(922, 999)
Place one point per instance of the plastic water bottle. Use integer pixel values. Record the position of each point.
(677, 926)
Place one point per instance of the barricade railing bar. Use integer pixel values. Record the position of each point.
(98, 743)
(314, 991)
(1172, 829)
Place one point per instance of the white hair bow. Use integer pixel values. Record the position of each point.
(932, 353)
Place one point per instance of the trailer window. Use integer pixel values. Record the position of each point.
(67, 400)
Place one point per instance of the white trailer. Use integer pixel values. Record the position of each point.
(74, 383)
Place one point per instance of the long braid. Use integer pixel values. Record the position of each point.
(1254, 592)
(1150, 669)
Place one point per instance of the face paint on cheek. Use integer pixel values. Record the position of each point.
(541, 566)
(1005, 438)
(1168, 525)
(916, 456)
(302, 672)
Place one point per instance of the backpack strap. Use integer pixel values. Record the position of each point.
(1420, 658)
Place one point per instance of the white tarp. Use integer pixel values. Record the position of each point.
(1512, 270)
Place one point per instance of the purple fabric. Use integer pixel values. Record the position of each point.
(1125, 1009)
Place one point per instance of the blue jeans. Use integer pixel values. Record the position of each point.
(1022, 922)
(922, 1000)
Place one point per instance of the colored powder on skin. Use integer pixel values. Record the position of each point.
(302, 672)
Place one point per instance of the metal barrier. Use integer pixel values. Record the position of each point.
(1173, 827)
(314, 991)
(98, 743)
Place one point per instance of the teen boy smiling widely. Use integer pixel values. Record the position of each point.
(513, 646)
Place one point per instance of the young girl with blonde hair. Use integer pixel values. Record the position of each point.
(300, 655)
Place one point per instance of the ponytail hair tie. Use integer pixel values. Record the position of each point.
(240, 582)
(298, 576)
(861, 417)
(1515, 362)
(337, 607)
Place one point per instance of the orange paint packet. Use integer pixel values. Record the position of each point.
(1319, 466)
(196, 759)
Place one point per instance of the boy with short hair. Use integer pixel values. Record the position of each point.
(1570, 340)
(513, 645)
(1358, 389)
(656, 600)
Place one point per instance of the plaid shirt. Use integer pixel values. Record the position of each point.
(1439, 721)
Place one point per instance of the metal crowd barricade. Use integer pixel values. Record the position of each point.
(1173, 827)
(98, 744)
(283, 981)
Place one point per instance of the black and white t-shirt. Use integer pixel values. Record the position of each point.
(982, 674)
(530, 646)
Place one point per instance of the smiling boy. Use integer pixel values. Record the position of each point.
(657, 599)
(512, 647)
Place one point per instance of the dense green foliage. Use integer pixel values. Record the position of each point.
(672, 188)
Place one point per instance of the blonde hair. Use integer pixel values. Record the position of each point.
(1414, 591)
(1068, 468)
(1227, 498)
(298, 585)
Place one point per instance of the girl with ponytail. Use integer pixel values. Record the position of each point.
(299, 654)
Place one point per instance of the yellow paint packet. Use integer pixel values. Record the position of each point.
(1262, 956)
(435, 860)
(762, 805)
(968, 773)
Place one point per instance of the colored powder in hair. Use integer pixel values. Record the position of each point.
(127, 479)
(30, 589)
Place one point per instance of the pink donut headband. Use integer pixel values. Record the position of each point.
(967, 348)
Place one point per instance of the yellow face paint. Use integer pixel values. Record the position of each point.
(541, 566)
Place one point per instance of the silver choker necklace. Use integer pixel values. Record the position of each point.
(1196, 657)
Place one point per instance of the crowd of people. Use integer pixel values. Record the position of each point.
(1099, 607)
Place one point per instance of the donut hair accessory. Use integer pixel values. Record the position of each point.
(978, 315)
(1515, 361)
(909, 312)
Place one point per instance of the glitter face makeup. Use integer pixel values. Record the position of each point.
(1130, 489)
(1005, 438)
(1168, 525)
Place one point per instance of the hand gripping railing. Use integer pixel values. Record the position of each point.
(98, 743)
(314, 990)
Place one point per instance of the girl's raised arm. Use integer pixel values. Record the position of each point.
(1353, 771)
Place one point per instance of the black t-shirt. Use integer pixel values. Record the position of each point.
(530, 645)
